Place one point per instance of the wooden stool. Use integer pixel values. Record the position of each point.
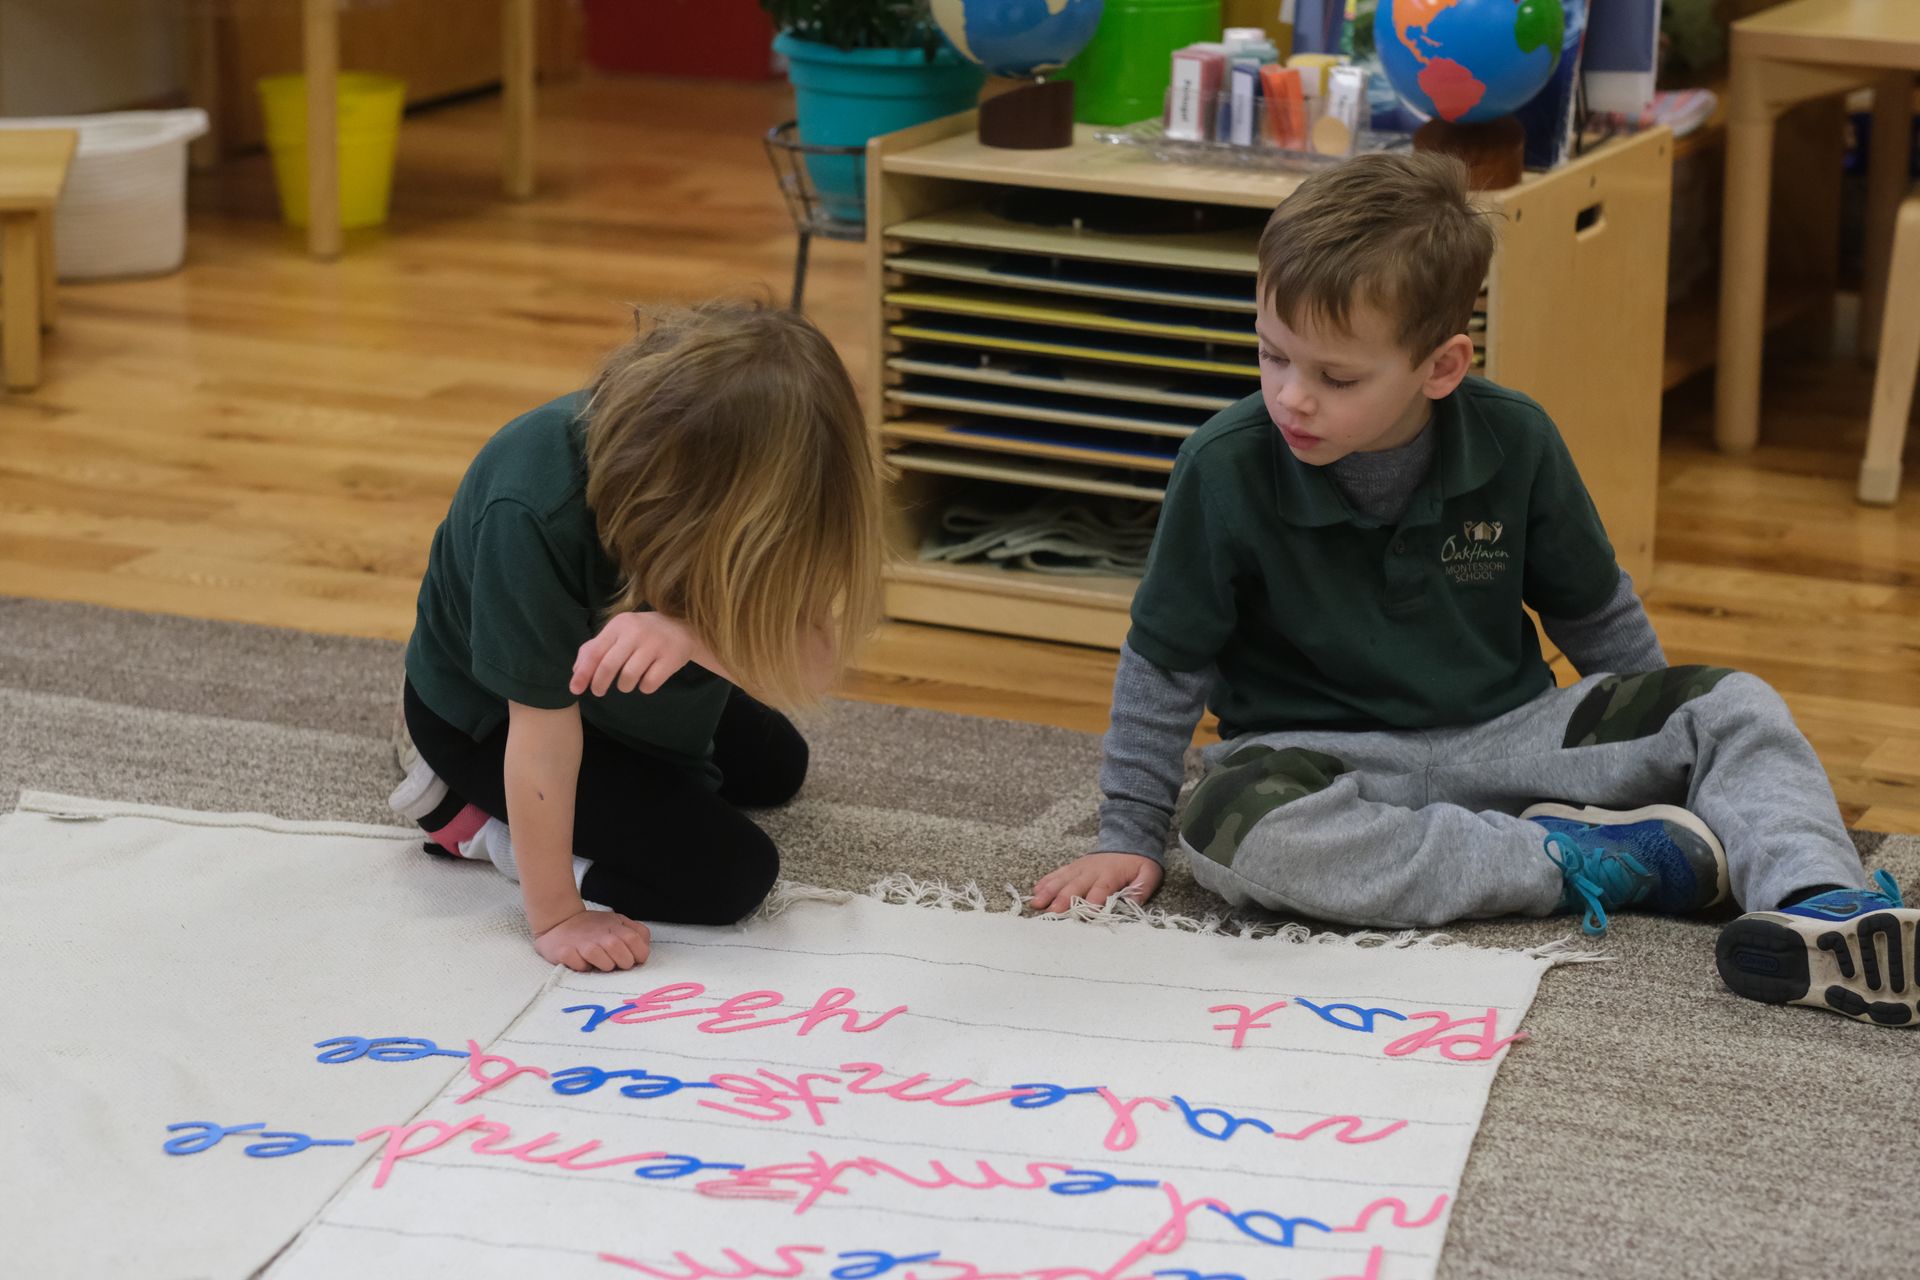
(1899, 361)
(33, 169)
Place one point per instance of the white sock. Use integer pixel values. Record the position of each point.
(493, 842)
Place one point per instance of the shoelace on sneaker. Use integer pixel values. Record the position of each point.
(1594, 877)
(1884, 879)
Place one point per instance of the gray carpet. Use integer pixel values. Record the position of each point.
(1654, 1126)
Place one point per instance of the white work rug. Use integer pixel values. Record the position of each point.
(861, 1091)
(163, 967)
(225, 1028)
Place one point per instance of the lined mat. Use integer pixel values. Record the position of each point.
(869, 1089)
(165, 967)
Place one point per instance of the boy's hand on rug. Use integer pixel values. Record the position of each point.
(636, 651)
(1097, 877)
(603, 940)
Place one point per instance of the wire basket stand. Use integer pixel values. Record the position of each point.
(788, 155)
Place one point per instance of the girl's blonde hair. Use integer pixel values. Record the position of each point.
(734, 483)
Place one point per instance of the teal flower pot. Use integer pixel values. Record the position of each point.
(846, 96)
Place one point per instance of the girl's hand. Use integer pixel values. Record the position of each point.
(603, 940)
(1097, 877)
(637, 651)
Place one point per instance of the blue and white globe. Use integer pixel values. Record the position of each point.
(1468, 60)
(1018, 38)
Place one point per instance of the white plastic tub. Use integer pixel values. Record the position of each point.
(124, 212)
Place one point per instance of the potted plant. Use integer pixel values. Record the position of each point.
(861, 68)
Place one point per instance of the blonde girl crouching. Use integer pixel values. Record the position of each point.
(628, 583)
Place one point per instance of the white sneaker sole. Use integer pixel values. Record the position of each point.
(413, 789)
(1867, 968)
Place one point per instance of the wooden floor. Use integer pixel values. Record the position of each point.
(265, 439)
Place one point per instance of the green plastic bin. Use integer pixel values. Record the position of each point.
(1122, 75)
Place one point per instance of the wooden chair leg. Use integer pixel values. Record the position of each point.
(519, 71)
(1887, 182)
(1899, 364)
(203, 85)
(1743, 262)
(49, 274)
(20, 300)
(320, 45)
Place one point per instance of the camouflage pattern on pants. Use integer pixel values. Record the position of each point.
(1246, 787)
(1413, 828)
(1620, 708)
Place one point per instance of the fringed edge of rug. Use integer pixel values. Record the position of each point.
(902, 890)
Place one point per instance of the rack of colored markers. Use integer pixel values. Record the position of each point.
(1233, 102)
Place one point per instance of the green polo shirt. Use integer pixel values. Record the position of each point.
(517, 582)
(1318, 617)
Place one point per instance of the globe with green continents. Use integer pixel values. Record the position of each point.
(1465, 61)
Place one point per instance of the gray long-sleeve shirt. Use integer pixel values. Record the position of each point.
(1155, 710)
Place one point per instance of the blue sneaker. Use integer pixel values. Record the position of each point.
(1854, 951)
(1660, 857)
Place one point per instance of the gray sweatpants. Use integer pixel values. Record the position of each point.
(1419, 828)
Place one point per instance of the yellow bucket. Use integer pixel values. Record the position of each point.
(368, 121)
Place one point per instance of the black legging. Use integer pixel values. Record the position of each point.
(663, 846)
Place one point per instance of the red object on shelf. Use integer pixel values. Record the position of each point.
(726, 39)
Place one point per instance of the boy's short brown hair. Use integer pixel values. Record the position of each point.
(1394, 231)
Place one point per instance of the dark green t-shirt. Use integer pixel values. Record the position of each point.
(1318, 617)
(517, 581)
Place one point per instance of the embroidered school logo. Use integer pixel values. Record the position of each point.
(1471, 556)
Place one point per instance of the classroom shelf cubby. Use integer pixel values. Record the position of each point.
(1057, 322)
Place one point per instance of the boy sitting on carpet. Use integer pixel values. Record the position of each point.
(1339, 570)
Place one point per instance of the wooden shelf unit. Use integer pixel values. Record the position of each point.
(1119, 343)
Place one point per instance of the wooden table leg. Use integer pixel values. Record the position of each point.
(1743, 259)
(203, 83)
(517, 74)
(20, 289)
(1803, 228)
(321, 44)
(49, 271)
(1887, 180)
(1899, 364)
